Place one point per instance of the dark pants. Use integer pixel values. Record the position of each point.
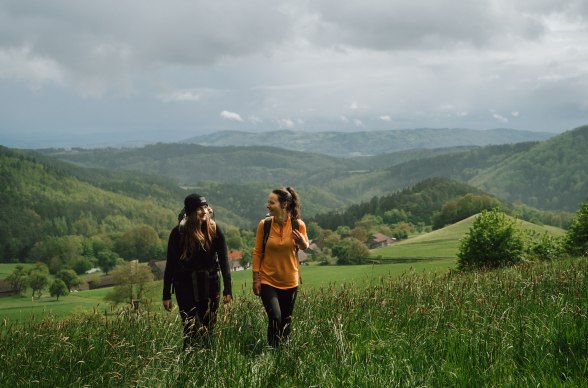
(198, 316)
(278, 305)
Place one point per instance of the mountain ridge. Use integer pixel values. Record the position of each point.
(367, 143)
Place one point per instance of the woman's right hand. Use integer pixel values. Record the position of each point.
(167, 304)
(256, 284)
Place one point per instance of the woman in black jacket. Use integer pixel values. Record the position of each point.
(195, 251)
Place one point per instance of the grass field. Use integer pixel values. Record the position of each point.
(521, 326)
(22, 307)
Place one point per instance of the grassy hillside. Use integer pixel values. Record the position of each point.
(444, 243)
(520, 326)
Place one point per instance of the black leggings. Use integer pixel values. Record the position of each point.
(279, 305)
(198, 317)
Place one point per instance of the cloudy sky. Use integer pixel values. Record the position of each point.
(134, 71)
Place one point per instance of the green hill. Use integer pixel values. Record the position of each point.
(551, 175)
(444, 243)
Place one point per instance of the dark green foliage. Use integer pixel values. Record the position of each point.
(140, 243)
(58, 288)
(18, 279)
(493, 241)
(351, 251)
(462, 208)
(69, 278)
(37, 281)
(542, 246)
(418, 203)
(44, 203)
(551, 175)
(577, 236)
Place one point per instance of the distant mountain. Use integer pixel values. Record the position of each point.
(346, 144)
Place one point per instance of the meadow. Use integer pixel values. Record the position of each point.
(22, 307)
(520, 326)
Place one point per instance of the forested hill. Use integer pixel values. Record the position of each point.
(191, 163)
(346, 144)
(551, 175)
(418, 203)
(543, 179)
(40, 200)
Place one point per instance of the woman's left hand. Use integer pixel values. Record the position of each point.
(299, 239)
(227, 299)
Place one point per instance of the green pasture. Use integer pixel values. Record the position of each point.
(444, 243)
(313, 277)
(7, 269)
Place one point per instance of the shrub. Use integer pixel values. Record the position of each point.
(577, 236)
(492, 241)
(542, 246)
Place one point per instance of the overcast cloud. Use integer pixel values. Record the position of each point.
(114, 72)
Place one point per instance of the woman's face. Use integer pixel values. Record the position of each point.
(202, 213)
(273, 205)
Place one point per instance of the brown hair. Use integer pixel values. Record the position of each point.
(196, 232)
(288, 198)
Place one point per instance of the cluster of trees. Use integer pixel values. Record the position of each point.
(37, 279)
(418, 203)
(495, 241)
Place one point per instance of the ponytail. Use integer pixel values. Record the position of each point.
(289, 198)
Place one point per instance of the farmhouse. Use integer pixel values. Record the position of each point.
(235, 260)
(380, 240)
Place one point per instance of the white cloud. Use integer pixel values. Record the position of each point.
(358, 123)
(500, 118)
(514, 114)
(22, 64)
(225, 114)
(385, 118)
(286, 123)
(344, 119)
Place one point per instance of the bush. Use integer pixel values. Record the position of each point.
(542, 246)
(493, 241)
(351, 251)
(577, 236)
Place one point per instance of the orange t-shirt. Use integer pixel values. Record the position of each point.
(279, 267)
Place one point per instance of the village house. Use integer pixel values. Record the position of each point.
(379, 240)
(235, 260)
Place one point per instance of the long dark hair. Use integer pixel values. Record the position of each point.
(196, 233)
(289, 199)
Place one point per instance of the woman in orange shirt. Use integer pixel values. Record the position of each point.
(276, 270)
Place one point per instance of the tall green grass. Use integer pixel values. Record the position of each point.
(523, 326)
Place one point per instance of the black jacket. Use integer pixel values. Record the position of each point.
(216, 258)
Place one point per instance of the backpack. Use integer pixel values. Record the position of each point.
(267, 226)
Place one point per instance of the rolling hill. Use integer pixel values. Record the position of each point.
(346, 144)
(444, 243)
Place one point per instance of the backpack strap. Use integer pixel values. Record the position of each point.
(267, 226)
